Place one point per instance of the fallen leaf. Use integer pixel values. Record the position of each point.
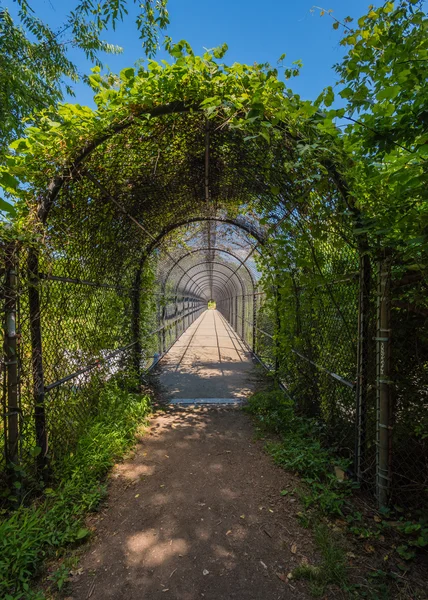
(293, 548)
(281, 576)
(350, 555)
(242, 517)
(290, 576)
(136, 495)
(377, 519)
(228, 532)
(369, 549)
(340, 473)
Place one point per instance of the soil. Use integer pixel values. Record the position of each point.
(197, 512)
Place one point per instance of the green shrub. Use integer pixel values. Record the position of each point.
(32, 534)
(301, 450)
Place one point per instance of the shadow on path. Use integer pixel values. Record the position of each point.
(197, 513)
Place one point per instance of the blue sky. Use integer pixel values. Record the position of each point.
(254, 31)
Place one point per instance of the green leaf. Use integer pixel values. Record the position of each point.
(388, 93)
(220, 51)
(82, 533)
(265, 134)
(35, 451)
(127, 74)
(405, 553)
(8, 182)
(7, 208)
(329, 96)
(21, 145)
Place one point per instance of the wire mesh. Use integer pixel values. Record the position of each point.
(408, 461)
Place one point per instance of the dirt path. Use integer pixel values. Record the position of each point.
(197, 513)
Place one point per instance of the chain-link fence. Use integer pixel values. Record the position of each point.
(349, 345)
(66, 346)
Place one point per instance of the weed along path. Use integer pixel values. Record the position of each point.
(197, 512)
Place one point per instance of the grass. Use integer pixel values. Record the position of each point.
(33, 534)
(300, 449)
(331, 570)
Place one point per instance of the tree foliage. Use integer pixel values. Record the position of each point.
(385, 89)
(35, 67)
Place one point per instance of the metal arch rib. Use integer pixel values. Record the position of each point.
(243, 287)
(215, 249)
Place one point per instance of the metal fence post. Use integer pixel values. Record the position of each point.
(277, 328)
(236, 313)
(163, 345)
(243, 317)
(362, 364)
(37, 360)
(176, 318)
(254, 344)
(12, 410)
(383, 389)
(135, 323)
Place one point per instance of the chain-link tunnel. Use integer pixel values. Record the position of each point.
(142, 230)
(156, 215)
(213, 262)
